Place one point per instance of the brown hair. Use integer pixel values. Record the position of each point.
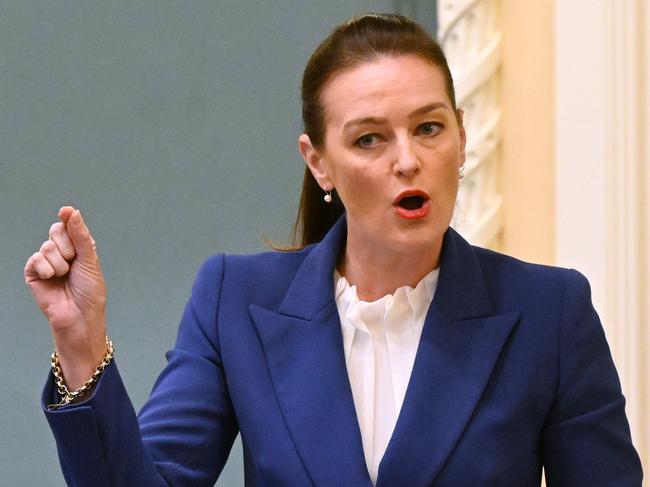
(361, 39)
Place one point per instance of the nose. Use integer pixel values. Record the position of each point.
(406, 161)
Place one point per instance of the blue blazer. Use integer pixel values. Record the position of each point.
(512, 373)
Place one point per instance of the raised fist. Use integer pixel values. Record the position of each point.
(66, 280)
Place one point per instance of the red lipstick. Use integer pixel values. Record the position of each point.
(412, 204)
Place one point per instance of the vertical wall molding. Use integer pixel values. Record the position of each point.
(643, 364)
(623, 192)
(602, 65)
(469, 32)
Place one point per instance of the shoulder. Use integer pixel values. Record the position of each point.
(247, 265)
(256, 277)
(510, 280)
(494, 263)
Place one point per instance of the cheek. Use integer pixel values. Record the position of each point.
(358, 188)
(361, 186)
(448, 178)
(449, 158)
(443, 166)
(445, 151)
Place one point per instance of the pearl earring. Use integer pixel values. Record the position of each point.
(328, 196)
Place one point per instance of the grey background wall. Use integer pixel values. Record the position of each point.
(173, 126)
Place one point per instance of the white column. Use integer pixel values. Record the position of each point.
(602, 188)
(470, 35)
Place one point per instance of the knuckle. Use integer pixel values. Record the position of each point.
(31, 261)
(62, 269)
(68, 253)
(44, 269)
(47, 273)
(47, 246)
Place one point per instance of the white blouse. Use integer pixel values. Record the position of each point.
(380, 339)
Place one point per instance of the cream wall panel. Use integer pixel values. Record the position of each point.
(528, 147)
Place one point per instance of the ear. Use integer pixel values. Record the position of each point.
(463, 135)
(314, 160)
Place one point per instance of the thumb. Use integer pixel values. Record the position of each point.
(81, 238)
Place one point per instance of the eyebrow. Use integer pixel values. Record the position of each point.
(382, 121)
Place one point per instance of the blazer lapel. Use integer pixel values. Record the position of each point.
(459, 347)
(303, 345)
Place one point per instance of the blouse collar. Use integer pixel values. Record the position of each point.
(388, 310)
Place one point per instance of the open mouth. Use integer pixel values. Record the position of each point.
(412, 202)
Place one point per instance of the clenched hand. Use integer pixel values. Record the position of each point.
(66, 280)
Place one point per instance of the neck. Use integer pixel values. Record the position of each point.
(377, 272)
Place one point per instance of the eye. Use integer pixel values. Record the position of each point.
(366, 140)
(429, 128)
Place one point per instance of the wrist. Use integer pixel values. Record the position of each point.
(82, 340)
(77, 388)
(79, 354)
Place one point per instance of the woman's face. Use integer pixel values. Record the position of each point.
(393, 148)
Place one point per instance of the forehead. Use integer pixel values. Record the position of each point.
(383, 87)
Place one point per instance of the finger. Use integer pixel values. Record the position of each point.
(30, 269)
(80, 235)
(38, 267)
(51, 253)
(60, 237)
(65, 212)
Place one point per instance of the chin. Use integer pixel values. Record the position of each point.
(392, 235)
(416, 241)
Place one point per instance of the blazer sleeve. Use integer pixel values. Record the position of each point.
(184, 432)
(586, 439)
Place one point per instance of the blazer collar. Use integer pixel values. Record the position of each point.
(312, 288)
(458, 350)
(461, 292)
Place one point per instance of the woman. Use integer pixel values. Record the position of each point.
(311, 353)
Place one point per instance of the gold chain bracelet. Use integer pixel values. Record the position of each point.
(67, 395)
